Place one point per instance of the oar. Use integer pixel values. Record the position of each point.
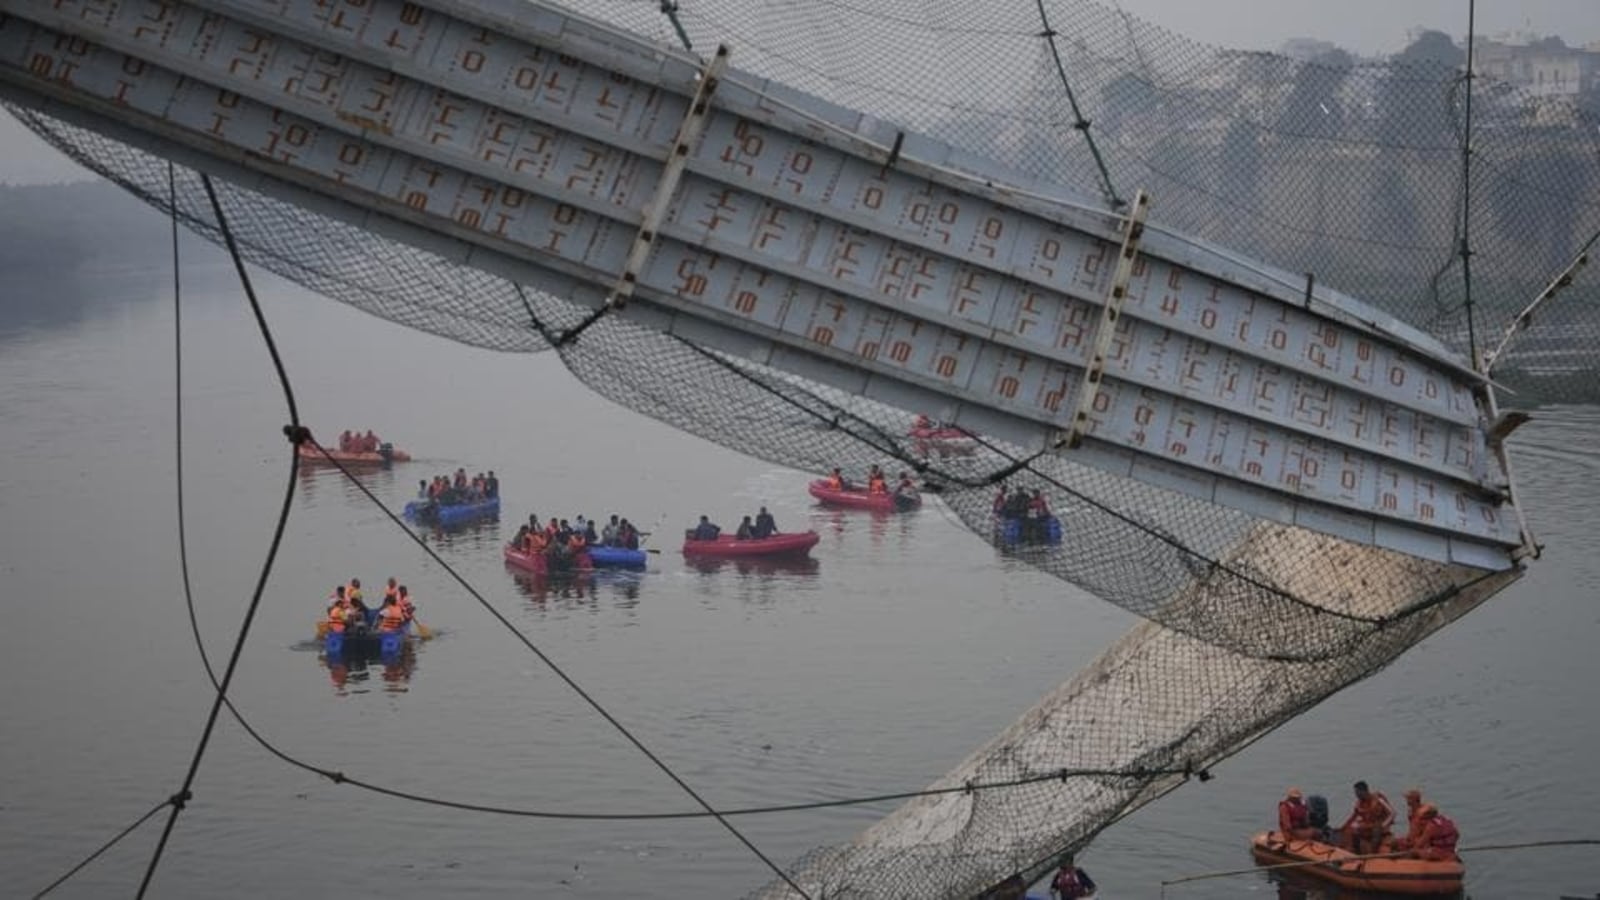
(423, 631)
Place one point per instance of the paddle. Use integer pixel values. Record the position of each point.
(423, 631)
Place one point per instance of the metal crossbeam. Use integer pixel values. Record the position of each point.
(532, 142)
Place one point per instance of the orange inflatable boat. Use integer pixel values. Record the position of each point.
(311, 454)
(1340, 866)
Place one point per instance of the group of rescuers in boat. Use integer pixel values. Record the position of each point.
(351, 442)
(762, 526)
(562, 541)
(877, 483)
(458, 489)
(1430, 834)
(348, 613)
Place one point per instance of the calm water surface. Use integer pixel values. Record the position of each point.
(907, 644)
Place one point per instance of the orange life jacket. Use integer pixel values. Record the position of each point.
(393, 618)
(1415, 826)
(877, 485)
(1292, 815)
(577, 542)
(835, 483)
(1440, 835)
(336, 615)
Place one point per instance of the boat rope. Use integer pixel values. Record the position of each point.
(1079, 123)
(294, 431)
(1399, 854)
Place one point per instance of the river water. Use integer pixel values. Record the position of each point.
(907, 644)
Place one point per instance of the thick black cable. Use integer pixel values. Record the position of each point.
(295, 431)
(177, 400)
(103, 848)
(562, 674)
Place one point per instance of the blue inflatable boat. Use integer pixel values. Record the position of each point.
(370, 642)
(1014, 530)
(605, 557)
(455, 514)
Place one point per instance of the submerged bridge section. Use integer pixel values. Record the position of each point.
(647, 182)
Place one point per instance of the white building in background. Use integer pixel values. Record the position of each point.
(1541, 67)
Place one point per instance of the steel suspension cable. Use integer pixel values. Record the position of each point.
(181, 798)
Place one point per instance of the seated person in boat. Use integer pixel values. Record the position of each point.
(766, 526)
(538, 541)
(491, 486)
(338, 609)
(627, 535)
(905, 487)
(1439, 835)
(705, 531)
(390, 590)
(836, 480)
(577, 542)
(1414, 821)
(346, 441)
(1368, 825)
(391, 617)
(747, 530)
(608, 534)
(403, 599)
(1034, 515)
(1294, 818)
(1071, 882)
(369, 442)
(588, 532)
(353, 592)
(876, 483)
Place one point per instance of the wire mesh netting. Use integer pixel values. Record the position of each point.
(1349, 171)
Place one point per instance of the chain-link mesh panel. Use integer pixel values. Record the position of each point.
(1349, 172)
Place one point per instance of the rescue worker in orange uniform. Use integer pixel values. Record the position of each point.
(1294, 817)
(403, 600)
(876, 483)
(1370, 819)
(390, 590)
(1439, 835)
(391, 618)
(1414, 821)
(353, 592)
(338, 611)
(836, 480)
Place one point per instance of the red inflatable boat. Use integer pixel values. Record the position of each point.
(856, 498)
(727, 546)
(539, 563)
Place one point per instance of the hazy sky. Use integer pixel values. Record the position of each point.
(1364, 26)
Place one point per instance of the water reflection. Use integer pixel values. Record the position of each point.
(319, 479)
(476, 536)
(880, 526)
(619, 585)
(351, 671)
(804, 567)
